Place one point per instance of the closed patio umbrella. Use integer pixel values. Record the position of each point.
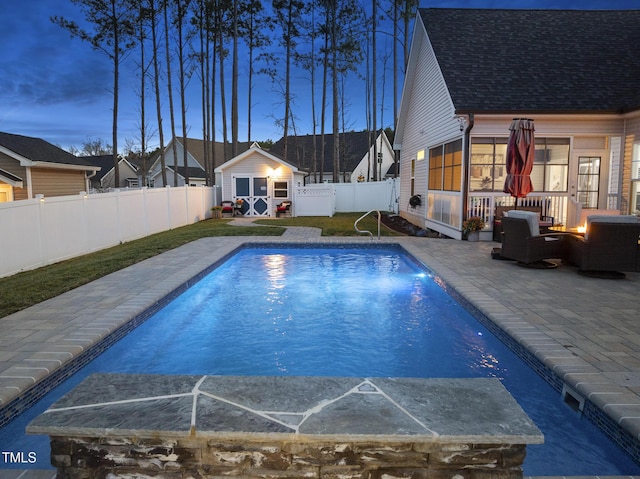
(520, 154)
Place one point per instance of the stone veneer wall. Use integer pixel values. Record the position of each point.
(122, 457)
(136, 426)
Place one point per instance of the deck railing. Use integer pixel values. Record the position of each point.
(484, 205)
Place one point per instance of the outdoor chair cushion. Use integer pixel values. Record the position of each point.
(532, 218)
(609, 219)
(611, 246)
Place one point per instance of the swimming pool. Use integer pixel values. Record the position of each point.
(266, 316)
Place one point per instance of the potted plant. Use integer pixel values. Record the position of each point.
(216, 212)
(471, 228)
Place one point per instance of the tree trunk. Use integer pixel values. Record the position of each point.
(156, 78)
(375, 89)
(325, 75)
(223, 100)
(170, 90)
(336, 105)
(143, 125)
(204, 85)
(234, 83)
(180, 14)
(287, 84)
(116, 72)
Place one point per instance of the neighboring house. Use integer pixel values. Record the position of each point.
(105, 178)
(470, 72)
(196, 161)
(260, 180)
(357, 156)
(31, 166)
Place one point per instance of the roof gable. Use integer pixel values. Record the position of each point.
(105, 162)
(10, 178)
(537, 60)
(255, 148)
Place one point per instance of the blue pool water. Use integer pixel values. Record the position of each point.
(337, 312)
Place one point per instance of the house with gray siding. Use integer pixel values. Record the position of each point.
(576, 73)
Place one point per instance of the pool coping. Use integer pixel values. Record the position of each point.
(86, 331)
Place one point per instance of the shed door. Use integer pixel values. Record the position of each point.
(254, 192)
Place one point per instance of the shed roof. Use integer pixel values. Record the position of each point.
(255, 148)
(571, 61)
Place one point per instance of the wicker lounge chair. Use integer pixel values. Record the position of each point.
(283, 209)
(610, 247)
(529, 248)
(228, 208)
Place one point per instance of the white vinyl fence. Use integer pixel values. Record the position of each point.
(46, 230)
(43, 231)
(326, 199)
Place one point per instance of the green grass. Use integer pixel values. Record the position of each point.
(340, 224)
(25, 289)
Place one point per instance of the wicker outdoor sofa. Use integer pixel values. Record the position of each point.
(610, 246)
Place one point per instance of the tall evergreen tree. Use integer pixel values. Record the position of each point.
(288, 17)
(114, 34)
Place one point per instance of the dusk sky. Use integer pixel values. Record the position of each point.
(58, 88)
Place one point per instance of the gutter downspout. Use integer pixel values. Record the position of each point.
(87, 180)
(467, 162)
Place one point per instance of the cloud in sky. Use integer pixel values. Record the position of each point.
(58, 88)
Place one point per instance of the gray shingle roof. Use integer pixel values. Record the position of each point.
(538, 60)
(195, 173)
(36, 149)
(354, 146)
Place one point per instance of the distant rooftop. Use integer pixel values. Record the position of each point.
(36, 149)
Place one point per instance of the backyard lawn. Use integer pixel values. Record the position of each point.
(25, 289)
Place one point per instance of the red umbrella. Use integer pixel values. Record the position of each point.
(520, 154)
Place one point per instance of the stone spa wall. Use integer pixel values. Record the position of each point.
(176, 427)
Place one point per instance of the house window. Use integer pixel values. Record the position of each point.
(588, 181)
(445, 167)
(281, 189)
(551, 165)
(488, 170)
(488, 164)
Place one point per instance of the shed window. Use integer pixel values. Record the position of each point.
(281, 189)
